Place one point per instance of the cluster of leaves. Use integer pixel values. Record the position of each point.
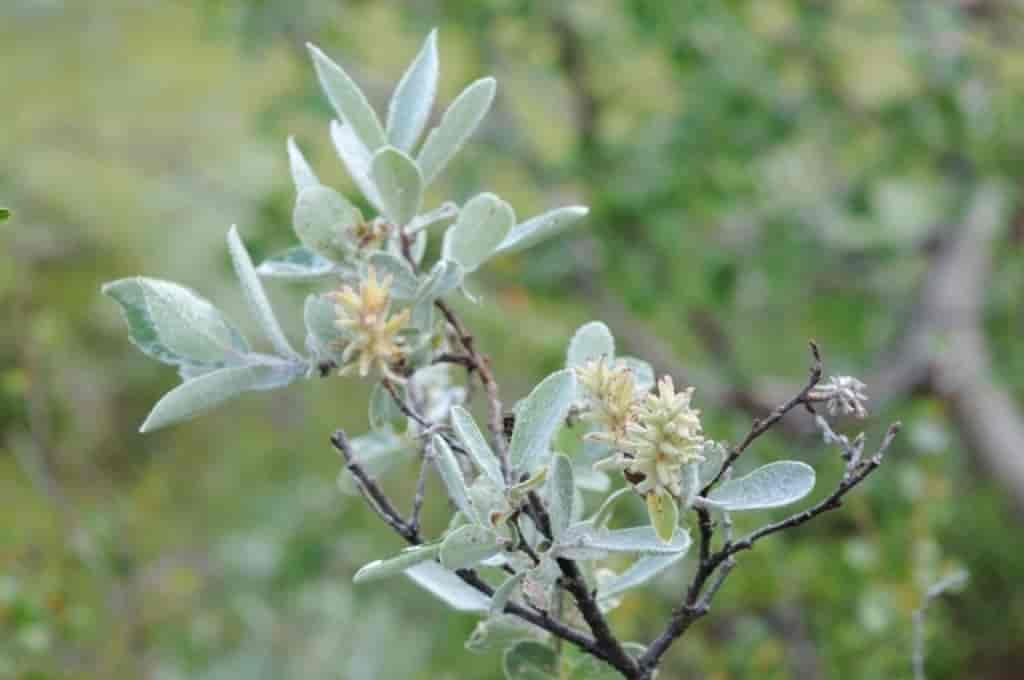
(177, 326)
(520, 504)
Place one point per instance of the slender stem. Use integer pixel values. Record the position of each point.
(762, 425)
(383, 506)
(576, 585)
(482, 367)
(695, 606)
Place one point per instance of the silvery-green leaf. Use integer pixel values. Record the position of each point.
(529, 660)
(590, 342)
(444, 277)
(348, 100)
(448, 587)
(664, 514)
(302, 174)
(690, 485)
(467, 546)
(175, 325)
(480, 227)
(257, 297)
(639, 573)
(584, 537)
(399, 184)
(457, 124)
(403, 282)
(299, 263)
(504, 592)
(498, 633)
(206, 391)
(769, 486)
(542, 413)
(445, 212)
(322, 334)
(535, 230)
(714, 455)
(604, 513)
(377, 452)
(410, 557)
(479, 450)
(451, 475)
(561, 495)
(324, 221)
(589, 479)
(419, 247)
(357, 158)
(383, 411)
(643, 372)
(489, 501)
(413, 97)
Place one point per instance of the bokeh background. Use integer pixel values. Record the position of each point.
(761, 172)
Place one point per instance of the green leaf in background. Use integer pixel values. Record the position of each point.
(323, 220)
(448, 587)
(348, 100)
(542, 413)
(769, 486)
(200, 394)
(664, 514)
(458, 123)
(5, 214)
(413, 98)
(467, 546)
(535, 230)
(639, 573)
(399, 184)
(302, 174)
(504, 593)
(561, 495)
(410, 557)
(479, 450)
(173, 324)
(451, 475)
(357, 158)
(591, 341)
(480, 227)
(297, 263)
(257, 297)
(530, 660)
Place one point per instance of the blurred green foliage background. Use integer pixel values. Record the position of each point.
(761, 172)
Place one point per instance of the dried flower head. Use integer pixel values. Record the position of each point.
(664, 435)
(610, 397)
(843, 395)
(364, 317)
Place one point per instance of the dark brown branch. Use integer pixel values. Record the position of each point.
(377, 499)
